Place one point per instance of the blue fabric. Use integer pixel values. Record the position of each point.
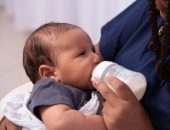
(48, 92)
(125, 40)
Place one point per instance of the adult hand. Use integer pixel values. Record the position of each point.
(161, 5)
(122, 110)
(5, 124)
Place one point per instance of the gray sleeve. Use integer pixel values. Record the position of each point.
(50, 92)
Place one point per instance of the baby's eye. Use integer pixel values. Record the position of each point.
(93, 49)
(82, 53)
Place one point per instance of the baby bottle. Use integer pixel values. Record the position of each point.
(134, 80)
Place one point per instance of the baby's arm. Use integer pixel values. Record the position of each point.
(62, 117)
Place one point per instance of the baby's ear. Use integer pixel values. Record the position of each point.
(50, 72)
(46, 71)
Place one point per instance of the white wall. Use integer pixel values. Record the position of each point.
(88, 14)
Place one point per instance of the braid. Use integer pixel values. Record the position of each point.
(161, 44)
(155, 43)
(163, 65)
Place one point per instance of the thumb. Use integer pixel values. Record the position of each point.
(104, 90)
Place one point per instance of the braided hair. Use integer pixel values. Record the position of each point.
(160, 42)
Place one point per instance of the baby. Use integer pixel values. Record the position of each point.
(59, 59)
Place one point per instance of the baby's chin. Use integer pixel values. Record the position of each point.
(88, 86)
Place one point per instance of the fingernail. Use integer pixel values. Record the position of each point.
(95, 81)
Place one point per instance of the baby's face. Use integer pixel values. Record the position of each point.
(76, 59)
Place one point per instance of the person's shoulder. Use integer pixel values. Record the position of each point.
(133, 13)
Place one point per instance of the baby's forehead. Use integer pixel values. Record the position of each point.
(73, 38)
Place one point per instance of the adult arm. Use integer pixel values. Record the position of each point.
(62, 117)
(122, 110)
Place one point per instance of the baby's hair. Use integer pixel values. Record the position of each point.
(37, 49)
(161, 43)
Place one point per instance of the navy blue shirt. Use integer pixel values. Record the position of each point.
(48, 92)
(125, 40)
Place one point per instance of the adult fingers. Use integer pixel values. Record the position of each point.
(5, 124)
(12, 126)
(2, 124)
(104, 90)
(121, 88)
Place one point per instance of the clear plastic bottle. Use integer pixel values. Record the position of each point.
(135, 80)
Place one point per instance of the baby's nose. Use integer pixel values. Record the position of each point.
(96, 59)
